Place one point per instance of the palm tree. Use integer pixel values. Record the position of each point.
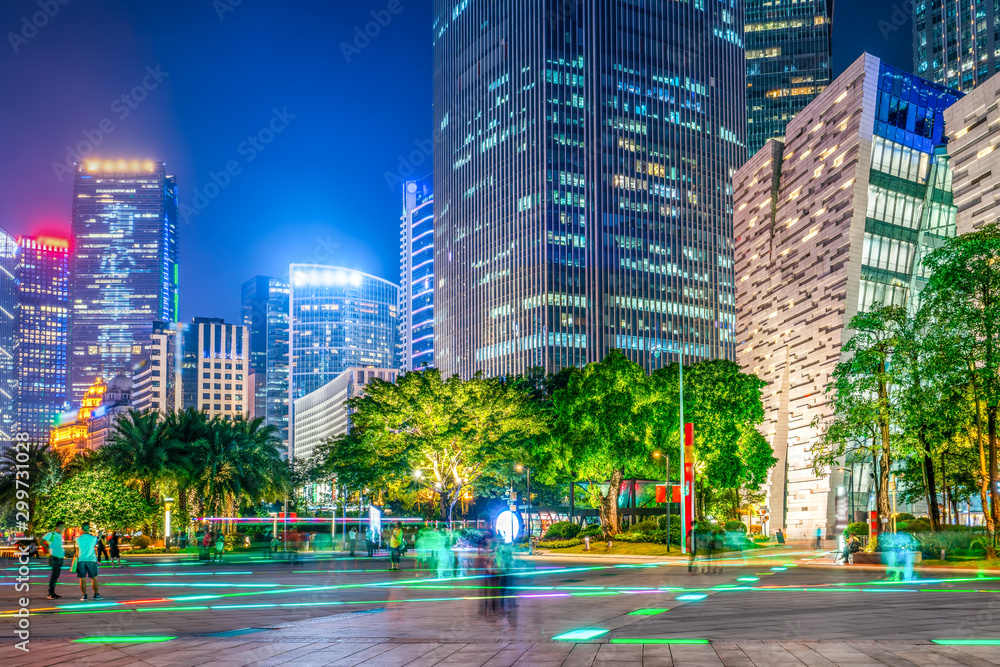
(41, 470)
(136, 450)
(183, 430)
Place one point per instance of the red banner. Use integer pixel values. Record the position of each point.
(688, 480)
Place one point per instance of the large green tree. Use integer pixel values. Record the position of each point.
(449, 432)
(137, 450)
(28, 474)
(99, 495)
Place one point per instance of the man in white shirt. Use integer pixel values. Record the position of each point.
(352, 539)
(54, 541)
(86, 561)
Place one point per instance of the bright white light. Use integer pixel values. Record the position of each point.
(356, 279)
(508, 526)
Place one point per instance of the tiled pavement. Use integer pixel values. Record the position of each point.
(794, 616)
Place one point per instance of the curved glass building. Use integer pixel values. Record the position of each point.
(583, 154)
(338, 318)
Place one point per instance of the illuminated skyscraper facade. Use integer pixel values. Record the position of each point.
(416, 276)
(833, 219)
(123, 267)
(956, 43)
(43, 333)
(582, 165)
(265, 314)
(338, 318)
(788, 62)
(215, 368)
(8, 338)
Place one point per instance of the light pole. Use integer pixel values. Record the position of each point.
(527, 470)
(684, 487)
(666, 487)
(168, 504)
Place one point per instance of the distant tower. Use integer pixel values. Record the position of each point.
(9, 251)
(43, 333)
(215, 372)
(956, 43)
(124, 270)
(416, 276)
(265, 314)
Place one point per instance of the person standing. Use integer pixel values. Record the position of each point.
(86, 561)
(352, 539)
(220, 546)
(102, 548)
(395, 545)
(54, 541)
(206, 546)
(370, 541)
(116, 555)
(819, 538)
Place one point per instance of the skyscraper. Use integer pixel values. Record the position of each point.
(158, 383)
(835, 218)
(338, 318)
(416, 276)
(8, 338)
(43, 333)
(124, 265)
(788, 62)
(582, 165)
(215, 368)
(956, 43)
(265, 314)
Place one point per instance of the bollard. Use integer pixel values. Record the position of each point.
(942, 554)
(586, 543)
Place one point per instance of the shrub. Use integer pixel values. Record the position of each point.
(931, 544)
(921, 525)
(593, 530)
(647, 526)
(140, 542)
(857, 528)
(734, 525)
(904, 516)
(235, 541)
(559, 544)
(760, 539)
(755, 529)
(562, 530)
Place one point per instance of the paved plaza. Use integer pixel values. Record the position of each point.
(787, 607)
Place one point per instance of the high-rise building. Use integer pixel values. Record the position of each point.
(124, 265)
(788, 62)
(42, 333)
(215, 371)
(583, 158)
(956, 43)
(158, 382)
(9, 252)
(324, 414)
(973, 125)
(830, 221)
(338, 318)
(416, 276)
(265, 314)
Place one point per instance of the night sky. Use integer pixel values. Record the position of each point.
(217, 73)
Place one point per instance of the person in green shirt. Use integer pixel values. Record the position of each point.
(86, 561)
(54, 541)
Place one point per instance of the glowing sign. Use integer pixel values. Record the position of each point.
(508, 526)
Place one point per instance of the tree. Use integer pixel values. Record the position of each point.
(98, 495)
(449, 431)
(136, 450)
(607, 421)
(864, 401)
(962, 298)
(40, 471)
(182, 430)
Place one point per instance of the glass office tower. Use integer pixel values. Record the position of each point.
(956, 43)
(9, 251)
(338, 318)
(416, 276)
(43, 333)
(265, 314)
(124, 265)
(582, 165)
(788, 62)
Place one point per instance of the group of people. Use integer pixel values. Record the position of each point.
(211, 545)
(85, 563)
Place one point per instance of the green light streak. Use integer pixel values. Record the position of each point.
(580, 635)
(967, 642)
(647, 612)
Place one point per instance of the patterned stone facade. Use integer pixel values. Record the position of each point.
(973, 125)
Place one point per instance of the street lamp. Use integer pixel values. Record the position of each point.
(526, 469)
(168, 504)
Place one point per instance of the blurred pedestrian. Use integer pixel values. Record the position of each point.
(352, 539)
(54, 541)
(102, 548)
(115, 548)
(220, 546)
(819, 538)
(395, 545)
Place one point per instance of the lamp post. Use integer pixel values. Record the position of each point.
(527, 470)
(168, 504)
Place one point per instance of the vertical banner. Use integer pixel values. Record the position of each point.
(688, 481)
(873, 527)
